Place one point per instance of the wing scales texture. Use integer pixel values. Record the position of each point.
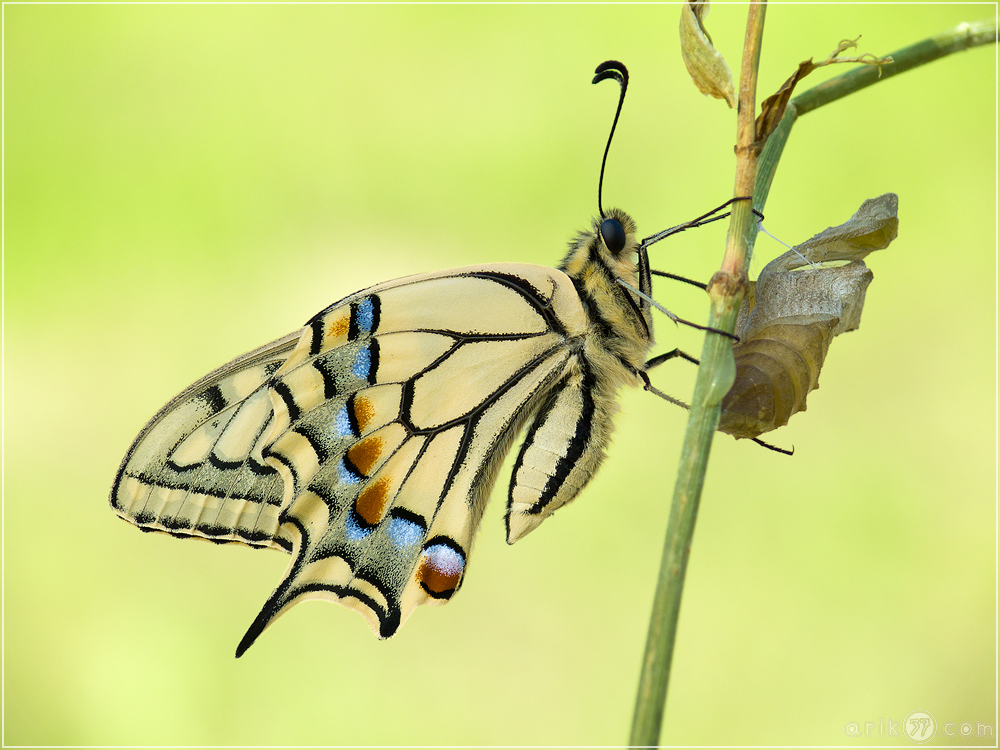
(367, 443)
(197, 469)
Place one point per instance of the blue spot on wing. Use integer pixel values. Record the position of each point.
(362, 364)
(355, 531)
(342, 423)
(405, 533)
(346, 474)
(366, 315)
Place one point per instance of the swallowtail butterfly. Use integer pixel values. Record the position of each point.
(366, 444)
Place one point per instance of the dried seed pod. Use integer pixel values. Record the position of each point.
(794, 311)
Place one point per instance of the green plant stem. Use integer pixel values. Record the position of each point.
(716, 367)
(962, 37)
(715, 377)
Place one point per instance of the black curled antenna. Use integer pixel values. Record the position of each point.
(610, 69)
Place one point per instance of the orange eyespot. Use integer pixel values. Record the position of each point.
(441, 568)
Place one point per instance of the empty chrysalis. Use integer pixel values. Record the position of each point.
(795, 309)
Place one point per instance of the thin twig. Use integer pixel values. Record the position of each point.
(962, 37)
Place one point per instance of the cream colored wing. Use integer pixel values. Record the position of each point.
(563, 448)
(197, 469)
(391, 419)
(367, 444)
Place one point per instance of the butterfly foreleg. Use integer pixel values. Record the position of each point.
(700, 221)
(667, 275)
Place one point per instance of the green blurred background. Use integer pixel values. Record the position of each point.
(184, 183)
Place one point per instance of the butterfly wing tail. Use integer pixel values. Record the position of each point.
(398, 564)
(315, 575)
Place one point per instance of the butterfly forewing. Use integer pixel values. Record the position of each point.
(368, 443)
(197, 468)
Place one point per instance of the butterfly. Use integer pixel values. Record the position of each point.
(366, 444)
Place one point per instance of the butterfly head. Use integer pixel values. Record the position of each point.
(609, 248)
(613, 235)
(614, 240)
(600, 260)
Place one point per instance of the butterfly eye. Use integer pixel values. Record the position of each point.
(613, 234)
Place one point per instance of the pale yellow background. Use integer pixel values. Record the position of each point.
(184, 183)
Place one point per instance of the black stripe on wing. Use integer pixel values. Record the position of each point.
(574, 449)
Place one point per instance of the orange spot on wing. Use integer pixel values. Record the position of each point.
(338, 327)
(365, 453)
(364, 412)
(438, 582)
(371, 503)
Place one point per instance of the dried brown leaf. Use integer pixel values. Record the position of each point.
(773, 108)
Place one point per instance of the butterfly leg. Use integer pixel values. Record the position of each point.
(673, 354)
(776, 449)
(706, 218)
(674, 317)
(675, 277)
(659, 360)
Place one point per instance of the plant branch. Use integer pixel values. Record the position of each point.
(962, 37)
(715, 377)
